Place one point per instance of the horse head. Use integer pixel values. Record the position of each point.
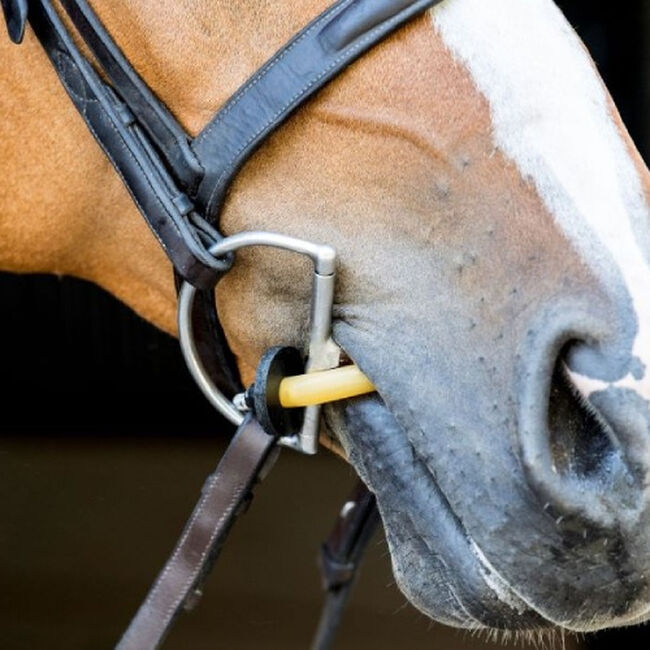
(492, 222)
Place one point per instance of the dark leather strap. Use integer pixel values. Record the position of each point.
(168, 211)
(211, 344)
(15, 12)
(303, 66)
(170, 138)
(166, 208)
(224, 496)
(340, 557)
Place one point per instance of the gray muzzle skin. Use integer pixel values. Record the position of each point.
(508, 501)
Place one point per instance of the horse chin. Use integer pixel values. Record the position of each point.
(436, 563)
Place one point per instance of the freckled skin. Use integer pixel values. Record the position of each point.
(456, 290)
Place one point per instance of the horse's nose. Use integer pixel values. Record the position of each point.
(585, 445)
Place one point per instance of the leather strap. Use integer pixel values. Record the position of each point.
(164, 171)
(318, 53)
(15, 12)
(168, 211)
(224, 496)
(211, 343)
(167, 175)
(165, 132)
(340, 558)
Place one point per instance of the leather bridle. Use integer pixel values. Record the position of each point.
(179, 184)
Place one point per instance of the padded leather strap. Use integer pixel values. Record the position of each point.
(15, 12)
(224, 496)
(156, 161)
(303, 66)
(168, 211)
(162, 128)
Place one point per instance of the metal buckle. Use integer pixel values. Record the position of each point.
(322, 352)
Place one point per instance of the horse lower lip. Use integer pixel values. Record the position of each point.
(420, 523)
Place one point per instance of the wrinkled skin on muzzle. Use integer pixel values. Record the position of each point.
(511, 497)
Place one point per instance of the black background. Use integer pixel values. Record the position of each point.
(75, 362)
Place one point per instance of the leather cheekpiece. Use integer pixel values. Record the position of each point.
(15, 12)
(166, 208)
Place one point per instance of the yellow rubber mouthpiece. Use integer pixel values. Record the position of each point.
(324, 386)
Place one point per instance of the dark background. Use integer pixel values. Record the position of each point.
(105, 440)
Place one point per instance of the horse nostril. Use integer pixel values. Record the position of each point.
(581, 442)
(575, 459)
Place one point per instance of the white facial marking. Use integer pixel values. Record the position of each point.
(551, 117)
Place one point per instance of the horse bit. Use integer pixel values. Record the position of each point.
(180, 184)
